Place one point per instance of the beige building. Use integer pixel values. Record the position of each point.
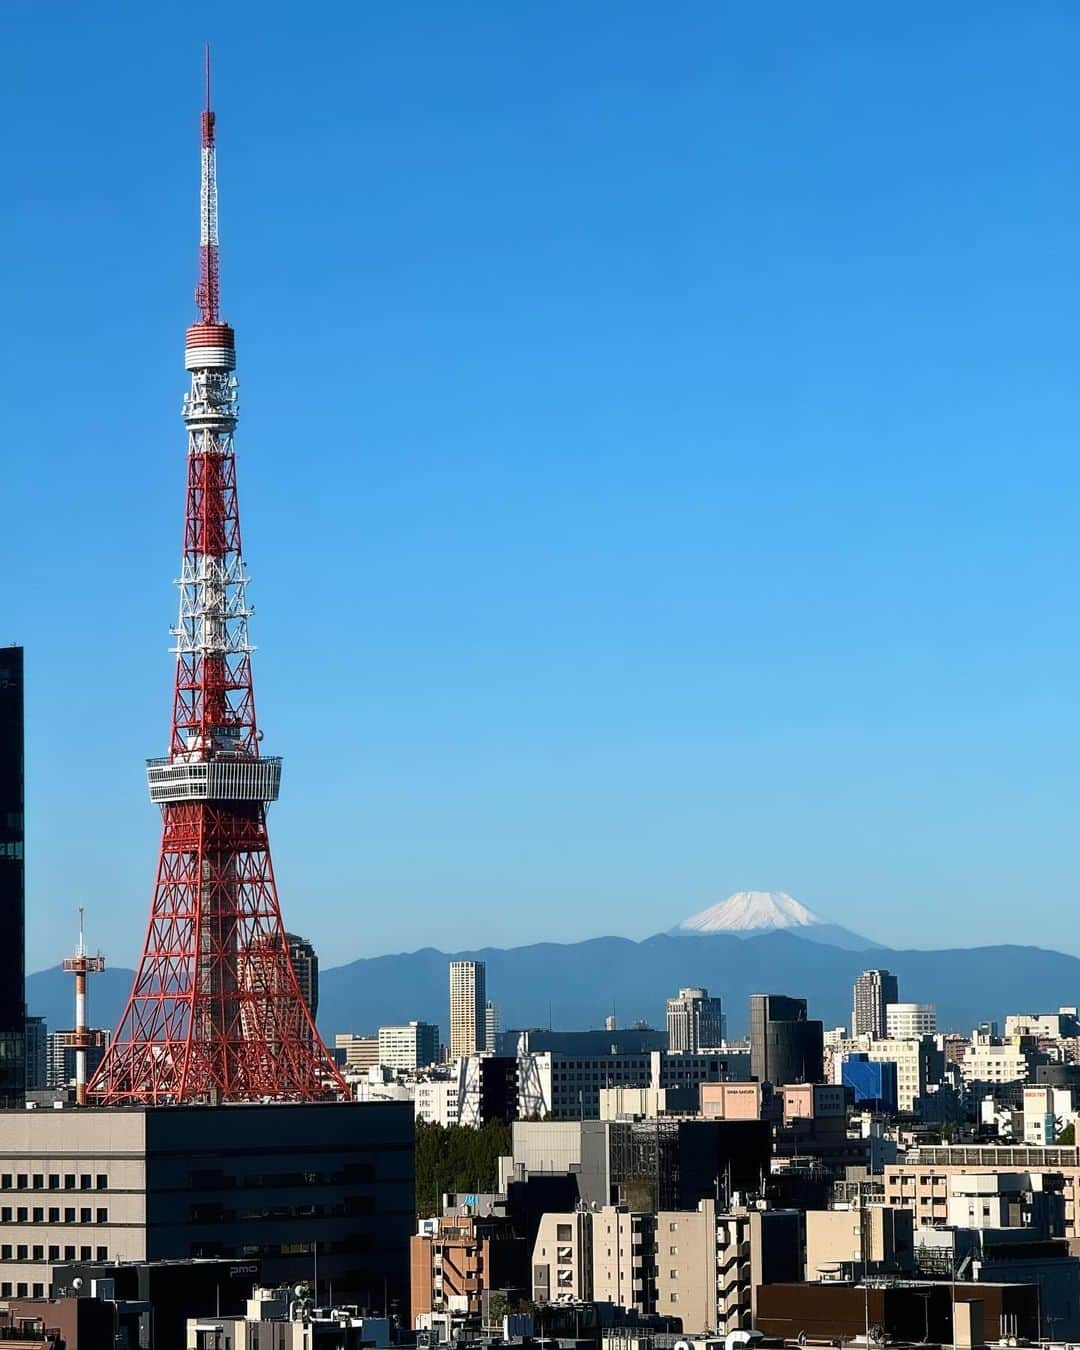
(468, 1008)
(361, 1052)
(697, 1265)
(922, 1182)
(562, 1258)
(842, 1242)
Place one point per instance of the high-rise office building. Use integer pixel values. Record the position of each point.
(306, 964)
(62, 1047)
(468, 1008)
(694, 1021)
(37, 1053)
(785, 1047)
(411, 1046)
(874, 990)
(12, 882)
(492, 1025)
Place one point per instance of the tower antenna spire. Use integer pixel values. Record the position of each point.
(208, 291)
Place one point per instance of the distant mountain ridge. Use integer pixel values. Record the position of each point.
(578, 984)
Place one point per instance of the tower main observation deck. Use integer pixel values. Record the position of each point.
(215, 1012)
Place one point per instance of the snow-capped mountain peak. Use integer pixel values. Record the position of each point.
(751, 911)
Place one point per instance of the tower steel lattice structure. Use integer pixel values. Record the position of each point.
(215, 1012)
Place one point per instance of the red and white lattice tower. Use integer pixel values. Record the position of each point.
(215, 1012)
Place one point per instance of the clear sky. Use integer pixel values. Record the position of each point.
(658, 457)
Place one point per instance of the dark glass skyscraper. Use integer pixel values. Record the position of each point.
(12, 882)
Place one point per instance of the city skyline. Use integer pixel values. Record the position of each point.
(734, 510)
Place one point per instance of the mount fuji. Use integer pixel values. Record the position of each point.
(752, 913)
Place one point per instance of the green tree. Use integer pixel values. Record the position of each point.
(456, 1159)
(1067, 1135)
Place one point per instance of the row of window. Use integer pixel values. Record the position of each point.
(36, 1252)
(21, 1290)
(22, 1214)
(39, 1181)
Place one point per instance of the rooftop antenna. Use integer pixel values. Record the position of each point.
(80, 965)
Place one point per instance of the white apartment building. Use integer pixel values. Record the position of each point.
(986, 1062)
(607, 1250)
(907, 1021)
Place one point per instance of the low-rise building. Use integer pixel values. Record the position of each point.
(858, 1242)
(558, 1086)
(956, 1183)
(361, 1052)
(285, 1320)
(455, 1260)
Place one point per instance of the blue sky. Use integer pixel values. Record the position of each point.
(657, 456)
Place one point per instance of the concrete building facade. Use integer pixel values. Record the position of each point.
(785, 1046)
(262, 1182)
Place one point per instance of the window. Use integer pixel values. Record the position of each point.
(103, 1181)
(84, 1253)
(5, 1214)
(85, 1183)
(5, 1289)
(103, 1253)
(84, 1215)
(54, 1181)
(20, 1252)
(563, 1232)
(39, 1291)
(20, 1289)
(69, 1215)
(39, 1214)
(20, 1214)
(20, 1181)
(673, 1251)
(39, 1181)
(69, 1253)
(38, 1252)
(5, 1252)
(54, 1253)
(54, 1214)
(103, 1216)
(69, 1181)
(5, 1181)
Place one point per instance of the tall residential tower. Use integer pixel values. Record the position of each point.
(468, 1008)
(874, 990)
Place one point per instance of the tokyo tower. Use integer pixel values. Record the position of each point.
(215, 1012)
